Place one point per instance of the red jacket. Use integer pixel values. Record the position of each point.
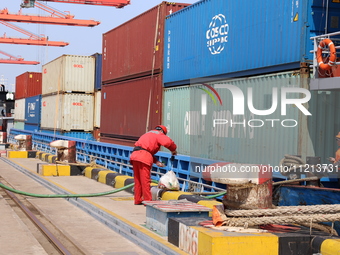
(151, 142)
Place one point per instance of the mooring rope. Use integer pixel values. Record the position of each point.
(285, 210)
(311, 218)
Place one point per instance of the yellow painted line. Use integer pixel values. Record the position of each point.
(122, 198)
(330, 247)
(120, 181)
(131, 224)
(212, 241)
(102, 175)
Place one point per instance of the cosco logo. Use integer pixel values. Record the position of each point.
(78, 66)
(217, 34)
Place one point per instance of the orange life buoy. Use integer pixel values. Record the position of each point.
(332, 52)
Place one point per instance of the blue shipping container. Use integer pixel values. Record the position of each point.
(32, 127)
(33, 110)
(98, 71)
(228, 39)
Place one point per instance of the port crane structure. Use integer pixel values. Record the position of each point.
(56, 18)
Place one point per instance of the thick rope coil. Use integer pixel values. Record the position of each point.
(312, 218)
(321, 227)
(285, 210)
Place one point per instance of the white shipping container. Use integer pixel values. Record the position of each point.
(69, 73)
(67, 112)
(97, 107)
(19, 109)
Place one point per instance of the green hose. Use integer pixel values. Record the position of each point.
(66, 195)
(216, 195)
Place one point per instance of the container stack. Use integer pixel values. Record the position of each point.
(97, 95)
(67, 101)
(260, 45)
(28, 87)
(132, 76)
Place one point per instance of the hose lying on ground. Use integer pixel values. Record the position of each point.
(66, 195)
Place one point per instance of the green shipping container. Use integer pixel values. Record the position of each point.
(212, 130)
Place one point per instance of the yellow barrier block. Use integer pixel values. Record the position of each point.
(211, 241)
(54, 170)
(209, 204)
(102, 175)
(330, 247)
(38, 154)
(17, 154)
(173, 195)
(50, 158)
(88, 172)
(120, 180)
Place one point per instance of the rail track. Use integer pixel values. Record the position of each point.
(53, 241)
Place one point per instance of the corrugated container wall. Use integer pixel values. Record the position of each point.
(67, 112)
(97, 108)
(130, 108)
(28, 84)
(232, 138)
(135, 48)
(242, 38)
(19, 109)
(98, 71)
(32, 110)
(69, 73)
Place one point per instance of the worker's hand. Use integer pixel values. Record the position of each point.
(331, 159)
(174, 153)
(160, 164)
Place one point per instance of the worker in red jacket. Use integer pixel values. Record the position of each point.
(142, 159)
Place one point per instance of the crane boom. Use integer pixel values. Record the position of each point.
(67, 20)
(32, 40)
(15, 60)
(114, 3)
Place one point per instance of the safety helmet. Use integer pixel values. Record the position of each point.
(163, 128)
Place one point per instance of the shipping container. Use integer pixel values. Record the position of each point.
(67, 112)
(28, 84)
(98, 71)
(69, 73)
(135, 48)
(19, 125)
(228, 39)
(204, 124)
(117, 141)
(73, 134)
(19, 109)
(32, 127)
(32, 110)
(97, 108)
(130, 108)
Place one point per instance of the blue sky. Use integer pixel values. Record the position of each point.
(82, 40)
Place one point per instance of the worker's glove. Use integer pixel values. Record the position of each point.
(331, 159)
(160, 164)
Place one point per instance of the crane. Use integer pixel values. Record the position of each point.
(15, 60)
(56, 18)
(32, 40)
(115, 3)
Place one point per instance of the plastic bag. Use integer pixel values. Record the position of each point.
(168, 181)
